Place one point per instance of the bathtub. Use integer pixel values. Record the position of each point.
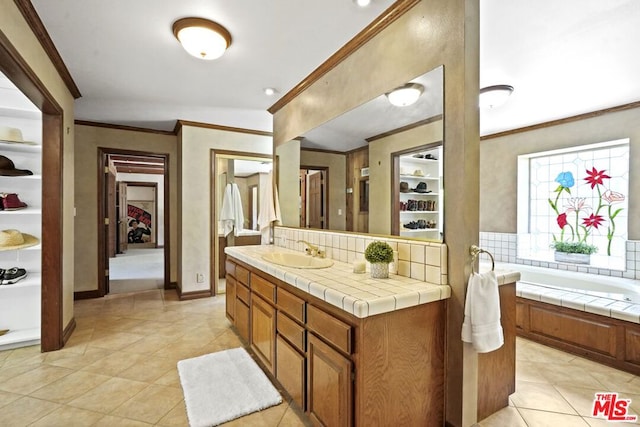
(617, 288)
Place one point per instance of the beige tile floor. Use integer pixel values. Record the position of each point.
(119, 369)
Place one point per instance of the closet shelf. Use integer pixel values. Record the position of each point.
(420, 177)
(32, 280)
(27, 177)
(20, 337)
(25, 211)
(419, 212)
(19, 148)
(420, 194)
(417, 230)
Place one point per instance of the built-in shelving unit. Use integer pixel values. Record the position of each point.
(20, 302)
(419, 207)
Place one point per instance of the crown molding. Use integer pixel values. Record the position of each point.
(123, 127)
(181, 123)
(392, 13)
(585, 116)
(35, 23)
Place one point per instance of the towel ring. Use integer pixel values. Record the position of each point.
(475, 251)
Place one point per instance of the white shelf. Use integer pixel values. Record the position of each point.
(32, 280)
(25, 211)
(420, 212)
(417, 230)
(20, 113)
(19, 338)
(34, 177)
(420, 177)
(20, 148)
(419, 194)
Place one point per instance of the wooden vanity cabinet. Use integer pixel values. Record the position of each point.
(386, 369)
(230, 297)
(242, 309)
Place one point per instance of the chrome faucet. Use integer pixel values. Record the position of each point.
(312, 250)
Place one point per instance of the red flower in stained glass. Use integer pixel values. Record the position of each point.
(562, 220)
(593, 220)
(595, 177)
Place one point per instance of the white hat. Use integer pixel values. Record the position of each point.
(13, 239)
(13, 135)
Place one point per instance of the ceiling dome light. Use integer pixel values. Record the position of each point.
(202, 38)
(494, 96)
(269, 91)
(362, 3)
(405, 95)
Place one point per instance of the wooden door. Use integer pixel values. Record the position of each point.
(123, 227)
(263, 331)
(329, 386)
(315, 200)
(111, 213)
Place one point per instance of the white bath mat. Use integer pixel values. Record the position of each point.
(223, 386)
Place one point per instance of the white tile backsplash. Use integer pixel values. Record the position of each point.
(414, 256)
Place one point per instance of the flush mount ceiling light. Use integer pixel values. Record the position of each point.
(362, 3)
(202, 38)
(269, 91)
(405, 95)
(494, 96)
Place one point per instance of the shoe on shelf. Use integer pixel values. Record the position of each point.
(12, 275)
(11, 202)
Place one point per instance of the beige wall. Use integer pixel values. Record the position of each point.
(89, 139)
(288, 174)
(17, 31)
(432, 33)
(196, 145)
(498, 164)
(337, 164)
(380, 161)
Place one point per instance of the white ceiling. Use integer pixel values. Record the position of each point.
(563, 57)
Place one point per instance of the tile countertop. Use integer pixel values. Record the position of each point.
(357, 294)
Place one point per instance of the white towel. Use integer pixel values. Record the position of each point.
(269, 207)
(231, 214)
(481, 326)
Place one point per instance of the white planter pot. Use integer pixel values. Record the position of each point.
(572, 258)
(379, 270)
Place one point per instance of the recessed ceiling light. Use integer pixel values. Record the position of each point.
(494, 96)
(269, 91)
(405, 95)
(362, 3)
(202, 38)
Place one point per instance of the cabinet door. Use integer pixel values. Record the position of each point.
(290, 371)
(329, 388)
(242, 318)
(230, 298)
(263, 331)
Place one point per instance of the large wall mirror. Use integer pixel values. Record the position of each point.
(375, 169)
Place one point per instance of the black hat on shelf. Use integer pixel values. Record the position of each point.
(421, 188)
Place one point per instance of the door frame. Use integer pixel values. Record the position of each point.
(103, 260)
(213, 189)
(53, 334)
(325, 192)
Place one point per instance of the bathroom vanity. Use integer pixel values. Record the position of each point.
(343, 359)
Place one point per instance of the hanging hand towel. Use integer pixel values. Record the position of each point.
(481, 326)
(269, 207)
(231, 214)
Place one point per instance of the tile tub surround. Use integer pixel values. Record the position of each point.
(504, 247)
(354, 293)
(420, 260)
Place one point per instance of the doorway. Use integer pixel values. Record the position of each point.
(248, 171)
(314, 198)
(133, 248)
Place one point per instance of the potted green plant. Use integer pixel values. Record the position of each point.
(380, 255)
(574, 252)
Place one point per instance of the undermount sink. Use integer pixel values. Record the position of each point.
(297, 260)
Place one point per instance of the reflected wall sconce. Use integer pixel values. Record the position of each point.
(494, 96)
(201, 37)
(405, 95)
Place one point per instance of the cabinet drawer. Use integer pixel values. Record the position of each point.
(328, 327)
(242, 275)
(242, 292)
(265, 289)
(292, 305)
(230, 267)
(293, 332)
